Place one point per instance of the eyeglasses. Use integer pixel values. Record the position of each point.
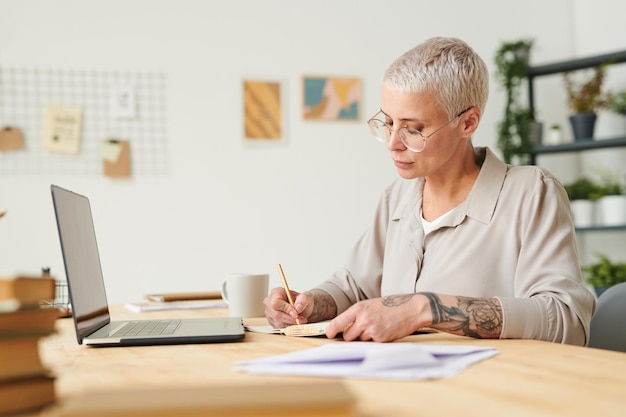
(413, 139)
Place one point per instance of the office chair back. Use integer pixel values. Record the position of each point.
(608, 325)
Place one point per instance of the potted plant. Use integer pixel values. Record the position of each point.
(514, 131)
(585, 98)
(604, 273)
(611, 203)
(555, 135)
(617, 103)
(582, 194)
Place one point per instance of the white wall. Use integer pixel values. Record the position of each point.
(226, 205)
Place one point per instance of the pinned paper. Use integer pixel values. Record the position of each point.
(62, 129)
(122, 102)
(115, 156)
(11, 139)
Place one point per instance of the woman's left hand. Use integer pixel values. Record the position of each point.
(382, 319)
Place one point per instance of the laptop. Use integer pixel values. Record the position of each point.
(87, 293)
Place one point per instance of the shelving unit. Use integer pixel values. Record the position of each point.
(571, 65)
(581, 145)
(602, 229)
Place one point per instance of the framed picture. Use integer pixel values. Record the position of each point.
(262, 110)
(331, 98)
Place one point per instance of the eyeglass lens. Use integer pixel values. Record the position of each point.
(412, 139)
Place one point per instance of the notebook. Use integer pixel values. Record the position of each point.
(87, 292)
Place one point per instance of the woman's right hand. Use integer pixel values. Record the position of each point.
(281, 314)
(309, 307)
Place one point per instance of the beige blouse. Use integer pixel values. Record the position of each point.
(512, 238)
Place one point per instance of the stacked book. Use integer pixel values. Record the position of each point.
(25, 383)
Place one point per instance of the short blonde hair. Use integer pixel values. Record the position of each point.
(446, 67)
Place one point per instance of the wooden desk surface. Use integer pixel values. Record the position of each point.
(527, 378)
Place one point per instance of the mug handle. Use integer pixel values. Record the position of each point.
(224, 292)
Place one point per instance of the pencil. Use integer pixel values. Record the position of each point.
(286, 286)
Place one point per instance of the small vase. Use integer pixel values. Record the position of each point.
(583, 125)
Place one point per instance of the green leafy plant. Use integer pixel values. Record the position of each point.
(583, 189)
(512, 63)
(611, 185)
(604, 272)
(586, 96)
(617, 102)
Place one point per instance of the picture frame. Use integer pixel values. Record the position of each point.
(331, 98)
(263, 110)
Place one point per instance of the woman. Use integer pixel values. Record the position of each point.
(461, 242)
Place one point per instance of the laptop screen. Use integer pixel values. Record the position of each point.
(82, 262)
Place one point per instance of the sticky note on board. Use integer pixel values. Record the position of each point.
(62, 129)
(11, 139)
(110, 151)
(115, 156)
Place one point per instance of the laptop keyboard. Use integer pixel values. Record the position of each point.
(148, 328)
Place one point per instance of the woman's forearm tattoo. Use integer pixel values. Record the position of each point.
(324, 307)
(475, 317)
(396, 300)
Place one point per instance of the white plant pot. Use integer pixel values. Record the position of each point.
(612, 210)
(554, 137)
(583, 212)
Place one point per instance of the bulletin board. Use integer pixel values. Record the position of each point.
(26, 92)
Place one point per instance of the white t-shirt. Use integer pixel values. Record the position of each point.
(430, 226)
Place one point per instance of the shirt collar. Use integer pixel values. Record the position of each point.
(481, 201)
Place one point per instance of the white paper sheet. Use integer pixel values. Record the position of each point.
(173, 305)
(407, 361)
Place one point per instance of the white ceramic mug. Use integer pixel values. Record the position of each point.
(244, 294)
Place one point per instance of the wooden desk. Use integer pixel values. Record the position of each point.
(527, 378)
